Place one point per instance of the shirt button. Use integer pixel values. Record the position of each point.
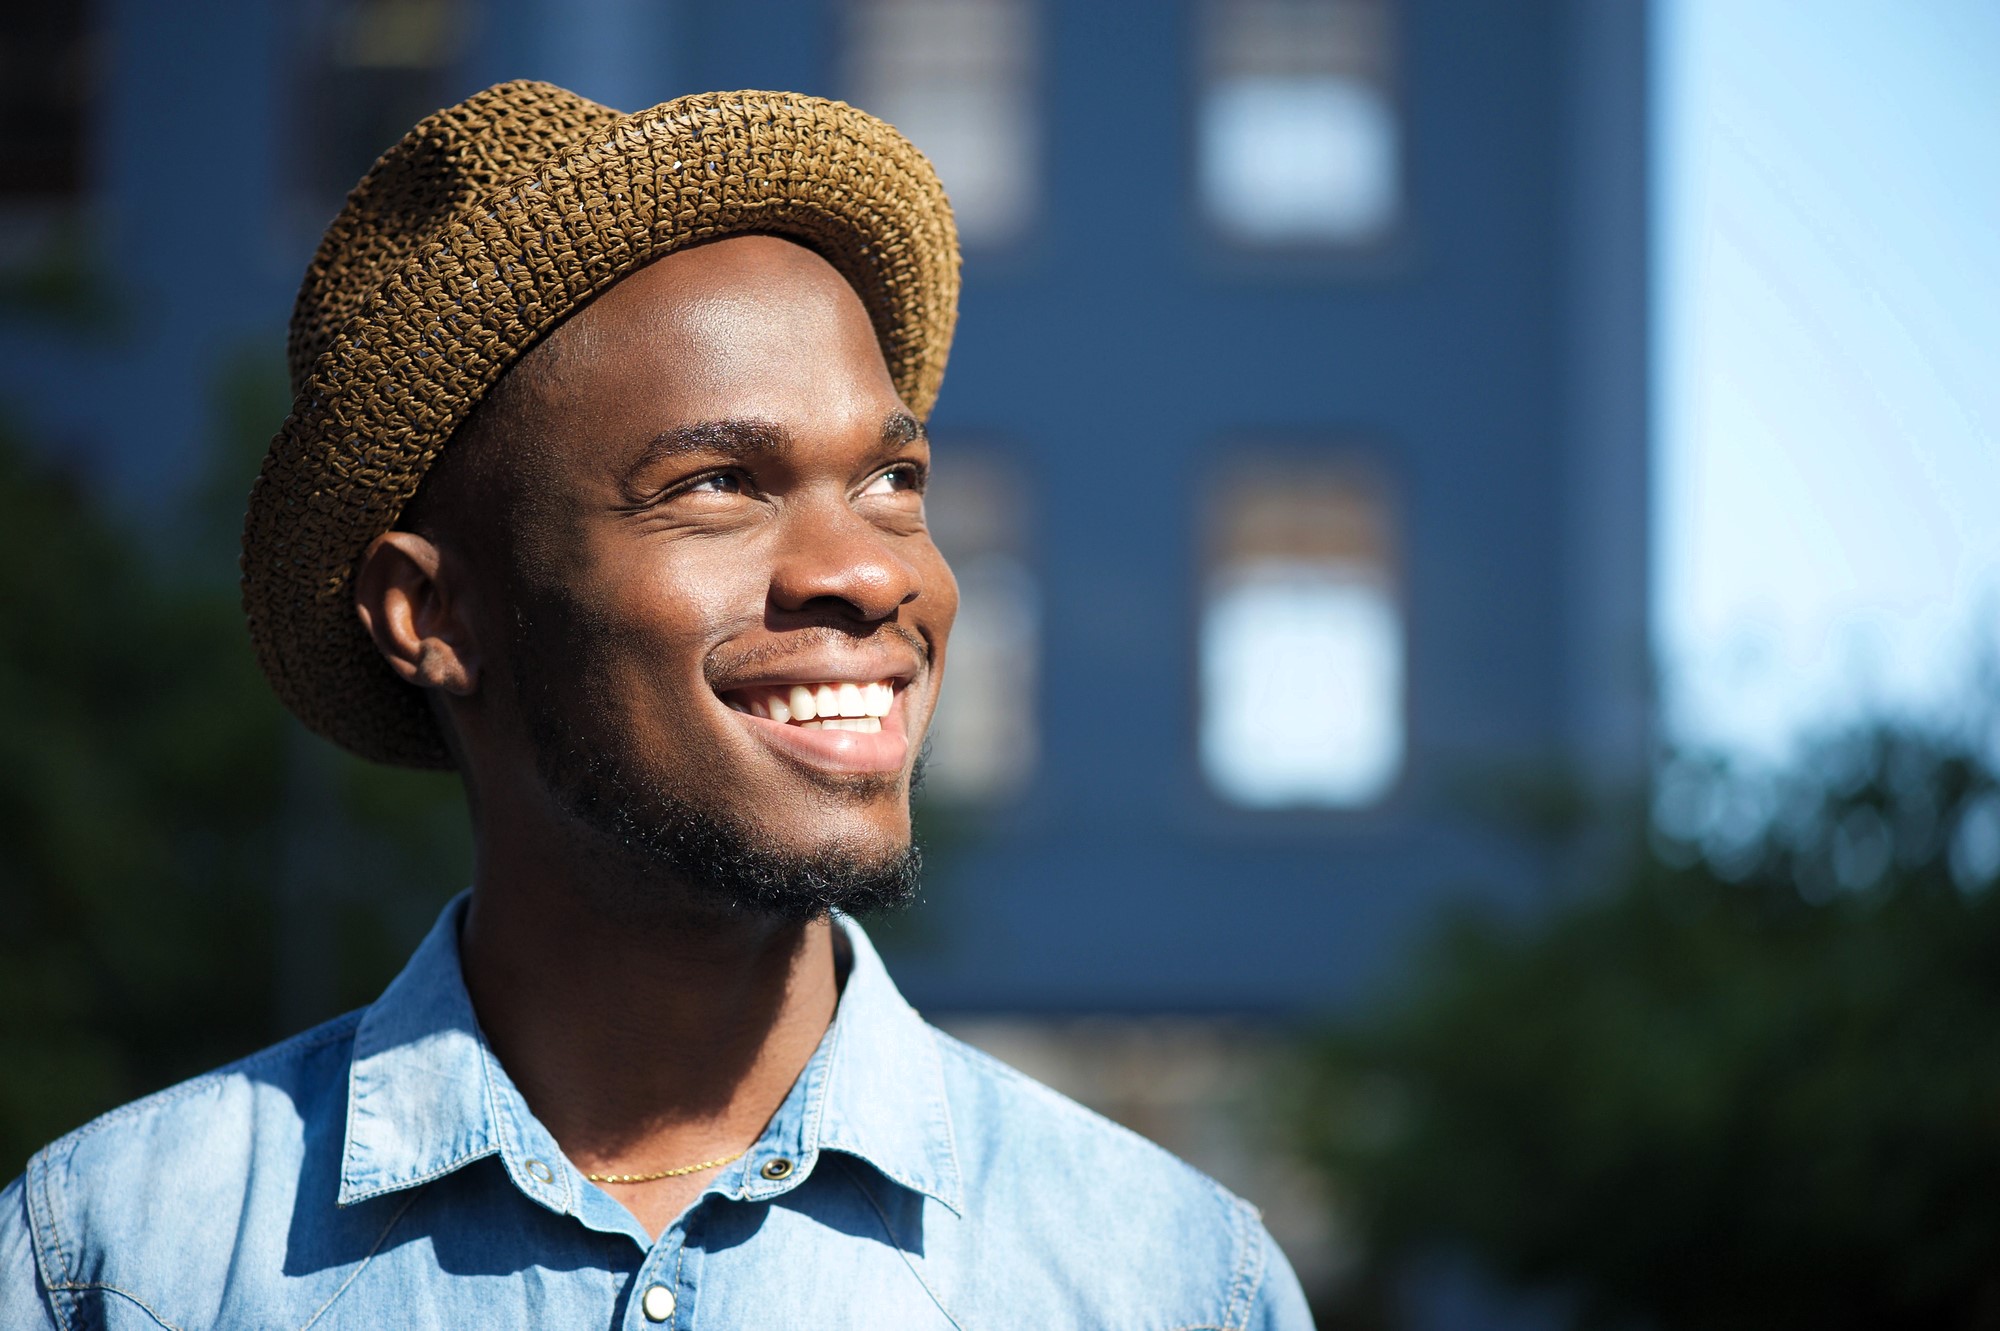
(777, 1169)
(657, 1303)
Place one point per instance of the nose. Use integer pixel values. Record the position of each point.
(834, 559)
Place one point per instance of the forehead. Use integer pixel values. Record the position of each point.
(752, 327)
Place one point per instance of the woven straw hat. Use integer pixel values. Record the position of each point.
(488, 225)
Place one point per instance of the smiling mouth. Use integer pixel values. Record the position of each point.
(837, 705)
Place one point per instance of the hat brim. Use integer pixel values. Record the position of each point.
(385, 396)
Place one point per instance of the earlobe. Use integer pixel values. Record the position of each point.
(412, 610)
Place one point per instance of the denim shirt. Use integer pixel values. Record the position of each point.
(383, 1170)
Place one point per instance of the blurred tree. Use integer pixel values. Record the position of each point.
(187, 875)
(1755, 1084)
(138, 800)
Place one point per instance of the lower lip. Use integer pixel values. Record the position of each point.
(848, 751)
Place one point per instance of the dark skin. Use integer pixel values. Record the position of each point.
(713, 470)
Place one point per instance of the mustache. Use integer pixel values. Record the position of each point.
(800, 641)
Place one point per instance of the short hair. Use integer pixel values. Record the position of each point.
(476, 502)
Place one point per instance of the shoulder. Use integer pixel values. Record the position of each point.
(235, 1110)
(1004, 1118)
(1111, 1217)
(172, 1182)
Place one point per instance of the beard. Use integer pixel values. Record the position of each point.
(726, 864)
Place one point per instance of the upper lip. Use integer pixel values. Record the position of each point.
(898, 668)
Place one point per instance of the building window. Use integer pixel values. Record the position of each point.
(1301, 639)
(957, 77)
(983, 744)
(1298, 138)
(371, 69)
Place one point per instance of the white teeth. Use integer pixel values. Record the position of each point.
(816, 706)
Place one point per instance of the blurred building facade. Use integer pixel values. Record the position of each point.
(1292, 454)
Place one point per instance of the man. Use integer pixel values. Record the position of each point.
(604, 486)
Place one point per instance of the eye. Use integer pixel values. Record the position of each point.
(897, 480)
(721, 483)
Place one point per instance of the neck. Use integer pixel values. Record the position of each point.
(643, 1040)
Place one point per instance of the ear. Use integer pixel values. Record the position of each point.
(415, 615)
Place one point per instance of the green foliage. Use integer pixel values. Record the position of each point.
(186, 874)
(127, 847)
(1757, 1084)
(58, 284)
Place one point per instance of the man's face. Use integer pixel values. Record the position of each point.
(722, 535)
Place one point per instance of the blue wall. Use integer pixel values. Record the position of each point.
(1490, 360)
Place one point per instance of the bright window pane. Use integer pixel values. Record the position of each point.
(983, 740)
(1301, 644)
(1298, 135)
(1299, 158)
(956, 77)
(1302, 680)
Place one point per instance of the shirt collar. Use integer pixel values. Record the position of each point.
(874, 1090)
(426, 1096)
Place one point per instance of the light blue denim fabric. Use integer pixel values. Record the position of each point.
(382, 1171)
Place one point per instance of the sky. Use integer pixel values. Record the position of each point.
(1827, 473)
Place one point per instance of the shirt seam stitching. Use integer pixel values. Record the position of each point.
(496, 1121)
(75, 1286)
(348, 1144)
(944, 1109)
(418, 1181)
(368, 1257)
(42, 1209)
(822, 1090)
(897, 1242)
(1249, 1273)
(496, 1136)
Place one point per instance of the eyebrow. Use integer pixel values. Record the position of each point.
(743, 439)
(730, 438)
(902, 428)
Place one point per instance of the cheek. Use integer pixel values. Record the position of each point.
(937, 608)
(667, 610)
(935, 612)
(946, 597)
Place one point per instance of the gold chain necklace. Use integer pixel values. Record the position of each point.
(669, 1173)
